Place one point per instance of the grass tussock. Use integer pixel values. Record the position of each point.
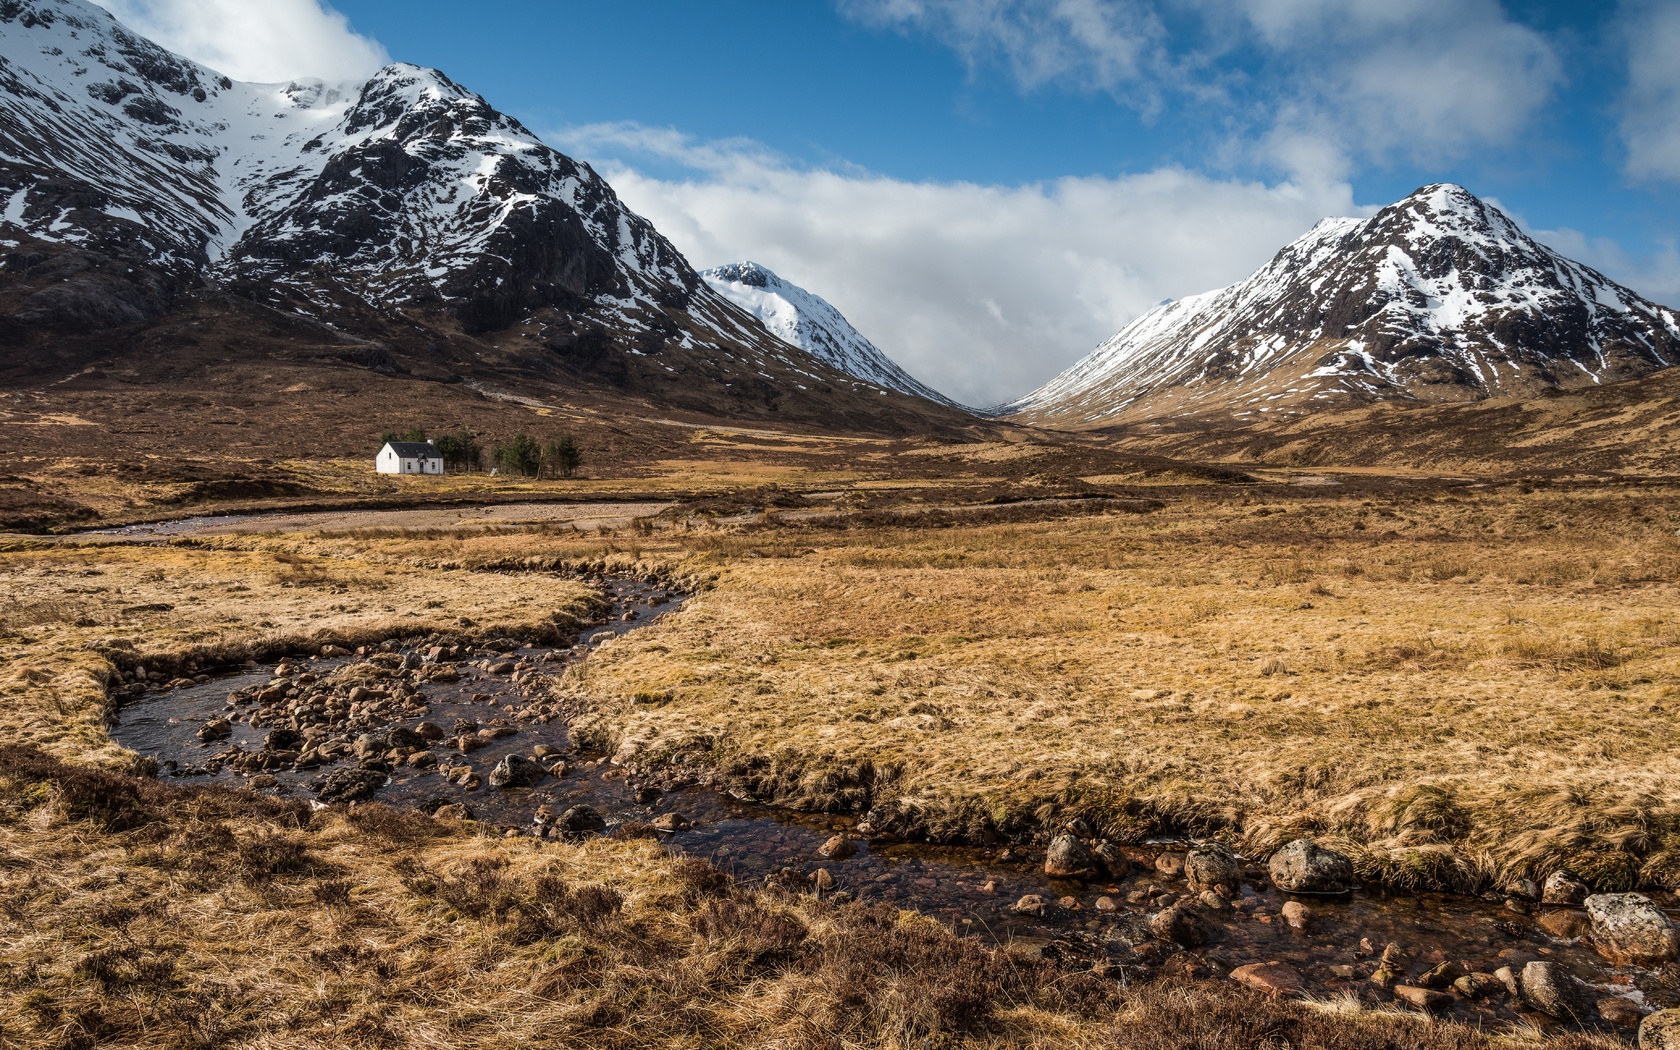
(1233, 666)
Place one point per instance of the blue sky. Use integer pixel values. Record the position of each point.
(988, 188)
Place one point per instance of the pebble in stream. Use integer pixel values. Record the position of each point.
(428, 726)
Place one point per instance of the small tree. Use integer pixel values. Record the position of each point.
(460, 451)
(417, 434)
(522, 455)
(561, 456)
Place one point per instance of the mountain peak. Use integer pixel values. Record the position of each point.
(806, 320)
(1437, 297)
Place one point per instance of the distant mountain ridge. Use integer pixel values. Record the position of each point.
(404, 212)
(1437, 298)
(804, 319)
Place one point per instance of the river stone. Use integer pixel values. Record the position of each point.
(1478, 985)
(1213, 867)
(1297, 915)
(372, 744)
(1441, 976)
(215, 729)
(1117, 863)
(1563, 888)
(1181, 924)
(1629, 930)
(282, 739)
(516, 771)
(1304, 866)
(350, 785)
(1660, 1031)
(1423, 998)
(452, 812)
(1170, 864)
(1031, 904)
(1620, 1011)
(402, 736)
(1564, 925)
(579, 821)
(1554, 991)
(1070, 859)
(840, 847)
(1277, 978)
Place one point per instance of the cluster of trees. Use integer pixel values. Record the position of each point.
(527, 456)
(524, 455)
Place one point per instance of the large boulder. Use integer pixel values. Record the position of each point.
(516, 771)
(1213, 867)
(1629, 930)
(1660, 1031)
(1304, 866)
(1069, 858)
(1555, 992)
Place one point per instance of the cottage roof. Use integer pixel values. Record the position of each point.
(413, 449)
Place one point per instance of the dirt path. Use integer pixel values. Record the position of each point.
(586, 517)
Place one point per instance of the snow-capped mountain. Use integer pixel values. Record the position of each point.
(806, 320)
(1440, 297)
(132, 178)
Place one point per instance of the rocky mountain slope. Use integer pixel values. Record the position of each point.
(427, 233)
(1438, 298)
(806, 320)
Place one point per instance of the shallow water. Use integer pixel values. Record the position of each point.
(969, 890)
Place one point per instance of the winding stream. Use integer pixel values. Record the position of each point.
(495, 695)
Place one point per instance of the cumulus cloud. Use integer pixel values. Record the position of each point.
(982, 291)
(256, 40)
(1320, 84)
(1651, 107)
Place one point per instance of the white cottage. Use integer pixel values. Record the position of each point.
(409, 457)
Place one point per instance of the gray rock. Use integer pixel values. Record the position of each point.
(1304, 866)
(1213, 867)
(1554, 991)
(516, 771)
(1563, 888)
(350, 785)
(1660, 1031)
(1629, 930)
(372, 744)
(1069, 858)
(579, 821)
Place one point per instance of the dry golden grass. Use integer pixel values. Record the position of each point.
(1457, 690)
(138, 915)
(1453, 689)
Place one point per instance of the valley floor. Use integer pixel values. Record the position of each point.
(1459, 683)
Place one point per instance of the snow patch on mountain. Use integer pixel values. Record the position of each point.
(1438, 297)
(806, 320)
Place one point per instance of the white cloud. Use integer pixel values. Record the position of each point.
(1319, 84)
(1651, 108)
(982, 291)
(256, 40)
